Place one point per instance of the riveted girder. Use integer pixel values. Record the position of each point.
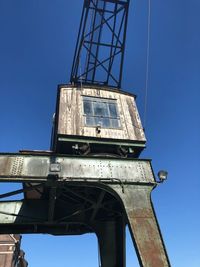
(75, 195)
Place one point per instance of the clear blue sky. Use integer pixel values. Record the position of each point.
(37, 40)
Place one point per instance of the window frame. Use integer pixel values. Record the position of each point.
(107, 101)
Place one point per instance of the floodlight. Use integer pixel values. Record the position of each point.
(162, 175)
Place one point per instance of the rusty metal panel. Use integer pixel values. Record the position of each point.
(37, 168)
(143, 225)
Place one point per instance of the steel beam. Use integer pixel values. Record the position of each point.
(38, 168)
(96, 189)
(111, 238)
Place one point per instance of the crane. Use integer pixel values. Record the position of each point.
(92, 179)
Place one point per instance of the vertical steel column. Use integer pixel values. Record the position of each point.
(111, 238)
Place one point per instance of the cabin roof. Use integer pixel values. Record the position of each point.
(100, 87)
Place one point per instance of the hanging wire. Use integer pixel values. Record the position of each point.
(147, 63)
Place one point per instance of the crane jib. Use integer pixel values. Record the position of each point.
(99, 52)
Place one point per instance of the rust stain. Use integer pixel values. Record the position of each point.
(147, 238)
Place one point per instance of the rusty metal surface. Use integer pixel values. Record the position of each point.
(143, 226)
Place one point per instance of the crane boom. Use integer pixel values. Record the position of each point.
(99, 52)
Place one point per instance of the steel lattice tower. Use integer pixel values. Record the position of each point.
(99, 52)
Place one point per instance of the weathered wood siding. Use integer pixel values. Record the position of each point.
(71, 119)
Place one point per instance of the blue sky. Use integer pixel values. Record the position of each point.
(37, 40)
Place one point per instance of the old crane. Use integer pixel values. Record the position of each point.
(92, 179)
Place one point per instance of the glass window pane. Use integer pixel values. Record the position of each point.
(97, 121)
(90, 121)
(100, 109)
(88, 108)
(115, 123)
(113, 110)
(105, 122)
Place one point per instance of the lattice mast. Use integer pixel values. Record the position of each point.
(99, 53)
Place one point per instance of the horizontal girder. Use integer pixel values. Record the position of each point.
(37, 168)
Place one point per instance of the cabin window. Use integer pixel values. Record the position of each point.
(101, 112)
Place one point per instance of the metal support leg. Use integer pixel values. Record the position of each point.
(111, 237)
(143, 225)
